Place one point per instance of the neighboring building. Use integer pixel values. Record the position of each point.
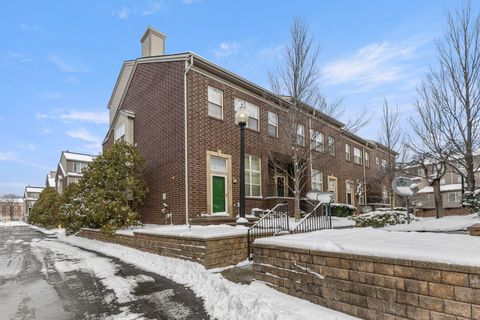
(30, 196)
(69, 169)
(178, 109)
(9, 206)
(50, 180)
(450, 187)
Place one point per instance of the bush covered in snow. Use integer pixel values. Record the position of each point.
(378, 219)
(472, 200)
(342, 210)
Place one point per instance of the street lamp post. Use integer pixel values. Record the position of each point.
(241, 118)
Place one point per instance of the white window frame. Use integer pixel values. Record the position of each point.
(82, 166)
(331, 146)
(351, 184)
(253, 113)
(367, 159)
(348, 152)
(272, 123)
(317, 140)
(249, 172)
(316, 180)
(357, 158)
(333, 178)
(457, 197)
(300, 134)
(215, 103)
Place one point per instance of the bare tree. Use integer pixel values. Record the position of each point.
(11, 200)
(451, 92)
(296, 84)
(390, 136)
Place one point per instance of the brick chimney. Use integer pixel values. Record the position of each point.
(153, 43)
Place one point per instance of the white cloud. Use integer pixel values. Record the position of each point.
(11, 58)
(189, 1)
(51, 95)
(226, 49)
(94, 142)
(153, 8)
(97, 117)
(7, 156)
(67, 66)
(374, 64)
(28, 146)
(12, 157)
(123, 13)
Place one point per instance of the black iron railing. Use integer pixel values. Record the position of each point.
(273, 222)
(318, 219)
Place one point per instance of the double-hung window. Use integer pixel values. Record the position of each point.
(316, 140)
(253, 113)
(272, 124)
(367, 160)
(253, 176)
(347, 152)
(300, 134)
(317, 180)
(454, 197)
(357, 156)
(331, 146)
(78, 167)
(215, 103)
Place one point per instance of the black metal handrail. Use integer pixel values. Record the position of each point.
(274, 221)
(318, 219)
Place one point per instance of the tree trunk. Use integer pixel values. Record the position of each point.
(438, 199)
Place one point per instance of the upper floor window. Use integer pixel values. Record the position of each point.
(272, 124)
(331, 146)
(79, 166)
(253, 174)
(357, 156)
(120, 133)
(317, 180)
(252, 111)
(215, 103)
(300, 134)
(316, 140)
(347, 152)
(367, 160)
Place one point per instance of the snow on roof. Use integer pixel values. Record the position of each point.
(435, 247)
(78, 156)
(445, 187)
(33, 189)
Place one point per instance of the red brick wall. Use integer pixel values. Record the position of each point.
(156, 96)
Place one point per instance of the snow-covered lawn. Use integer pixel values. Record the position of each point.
(197, 231)
(434, 247)
(223, 299)
(444, 224)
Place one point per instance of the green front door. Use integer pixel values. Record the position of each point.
(218, 193)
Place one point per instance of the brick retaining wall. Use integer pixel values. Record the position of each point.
(212, 252)
(372, 287)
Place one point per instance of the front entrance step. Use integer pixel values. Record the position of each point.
(474, 230)
(219, 220)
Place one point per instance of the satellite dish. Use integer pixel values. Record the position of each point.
(322, 197)
(404, 186)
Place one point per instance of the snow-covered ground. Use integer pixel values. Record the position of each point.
(12, 224)
(435, 247)
(223, 299)
(337, 222)
(444, 224)
(204, 232)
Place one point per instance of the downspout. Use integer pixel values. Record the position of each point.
(364, 178)
(188, 65)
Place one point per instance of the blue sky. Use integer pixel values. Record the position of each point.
(59, 61)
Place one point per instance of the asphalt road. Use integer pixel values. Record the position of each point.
(35, 284)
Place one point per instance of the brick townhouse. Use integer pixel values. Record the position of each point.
(69, 169)
(450, 187)
(178, 109)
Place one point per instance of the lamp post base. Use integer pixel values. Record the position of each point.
(241, 221)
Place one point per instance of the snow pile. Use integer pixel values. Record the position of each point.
(13, 224)
(444, 224)
(434, 247)
(223, 299)
(379, 219)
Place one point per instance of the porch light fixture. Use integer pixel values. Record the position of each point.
(241, 118)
